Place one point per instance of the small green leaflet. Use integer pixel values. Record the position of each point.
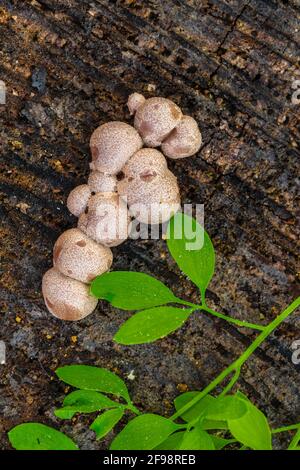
(220, 442)
(106, 421)
(149, 325)
(93, 378)
(198, 263)
(131, 291)
(172, 442)
(252, 429)
(197, 439)
(294, 444)
(144, 433)
(225, 408)
(211, 409)
(213, 424)
(197, 410)
(83, 401)
(35, 436)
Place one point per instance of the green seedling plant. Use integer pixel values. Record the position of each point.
(160, 311)
(202, 420)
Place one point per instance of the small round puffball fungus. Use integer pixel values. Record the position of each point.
(155, 119)
(78, 199)
(101, 183)
(149, 187)
(112, 144)
(185, 140)
(144, 162)
(77, 256)
(135, 100)
(66, 298)
(107, 219)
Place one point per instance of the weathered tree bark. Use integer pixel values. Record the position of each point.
(70, 65)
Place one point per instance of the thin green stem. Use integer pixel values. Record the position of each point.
(231, 383)
(134, 409)
(295, 441)
(202, 296)
(235, 321)
(185, 302)
(292, 427)
(238, 363)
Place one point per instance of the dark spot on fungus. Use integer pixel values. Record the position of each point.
(120, 176)
(81, 243)
(148, 175)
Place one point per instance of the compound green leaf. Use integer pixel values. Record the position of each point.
(172, 442)
(93, 378)
(196, 410)
(197, 439)
(36, 436)
(225, 408)
(149, 325)
(251, 429)
(192, 249)
(144, 433)
(106, 421)
(130, 290)
(83, 401)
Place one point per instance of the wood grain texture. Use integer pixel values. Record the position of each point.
(69, 66)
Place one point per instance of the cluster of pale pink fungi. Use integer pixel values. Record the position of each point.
(127, 181)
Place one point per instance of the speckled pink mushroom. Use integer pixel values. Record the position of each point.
(101, 183)
(107, 219)
(135, 100)
(112, 144)
(149, 187)
(160, 123)
(184, 141)
(77, 256)
(155, 118)
(78, 199)
(66, 298)
(122, 174)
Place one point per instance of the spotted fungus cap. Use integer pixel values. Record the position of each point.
(78, 199)
(107, 220)
(101, 183)
(149, 187)
(112, 144)
(185, 140)
(77, 256)
(66, 298)
(155, 119)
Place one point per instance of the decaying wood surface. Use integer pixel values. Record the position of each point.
(69, 66)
